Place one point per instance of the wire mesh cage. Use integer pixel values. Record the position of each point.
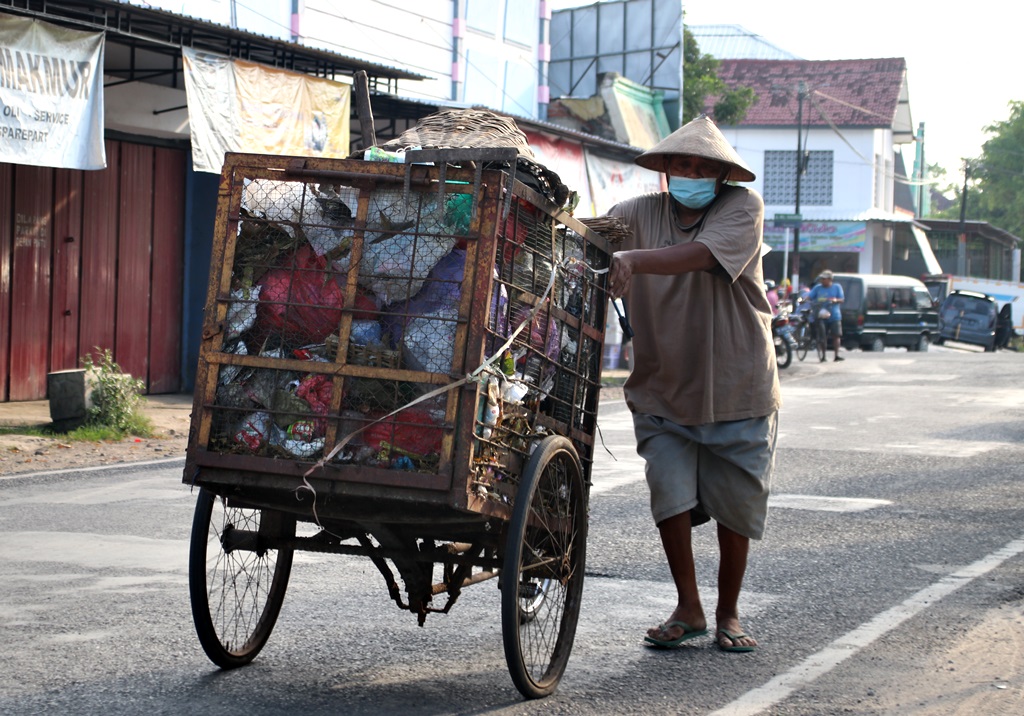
(369, 316)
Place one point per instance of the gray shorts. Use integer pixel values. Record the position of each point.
(719, 471)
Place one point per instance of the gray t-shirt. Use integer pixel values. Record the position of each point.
(702, 349)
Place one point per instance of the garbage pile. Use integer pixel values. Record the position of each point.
(292, 264)
(341, 332)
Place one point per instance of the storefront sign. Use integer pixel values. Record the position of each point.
(51, 95)
(834, 236)
(239, 106)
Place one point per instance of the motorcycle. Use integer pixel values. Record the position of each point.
(782, 336)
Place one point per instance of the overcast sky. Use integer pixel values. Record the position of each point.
(963, 60)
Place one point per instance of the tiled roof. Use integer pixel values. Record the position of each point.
(849, 93)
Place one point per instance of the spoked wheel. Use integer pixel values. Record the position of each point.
(820, 343)
(542, 575)
(236, 583)
(530, 606)
(803, 340)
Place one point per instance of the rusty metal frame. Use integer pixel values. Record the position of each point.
(337, 485)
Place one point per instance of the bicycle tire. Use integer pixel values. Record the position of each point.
(236, 591)
(803, 341)
(545, 549)
(820, 343)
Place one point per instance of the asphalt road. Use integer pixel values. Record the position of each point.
(891, 580)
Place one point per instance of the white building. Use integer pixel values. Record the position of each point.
(852, 118)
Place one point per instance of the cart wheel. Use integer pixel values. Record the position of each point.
(542, 574)
(530, 606)
(236, 585)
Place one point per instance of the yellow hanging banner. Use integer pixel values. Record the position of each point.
(239, 106)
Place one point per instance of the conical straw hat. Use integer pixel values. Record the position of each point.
(700, 138)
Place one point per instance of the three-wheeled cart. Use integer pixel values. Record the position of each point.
(403, 360)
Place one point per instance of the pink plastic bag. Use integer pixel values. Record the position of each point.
(302, 299)
(315, 389)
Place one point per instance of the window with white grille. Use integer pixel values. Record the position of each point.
(780, 178)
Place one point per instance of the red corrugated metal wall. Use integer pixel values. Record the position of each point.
(92, 260)
(30, 281)
(67, 261)
(165, 317)
(99, 254)
(134, 259)
(6, 192)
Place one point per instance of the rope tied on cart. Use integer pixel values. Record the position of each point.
(479, 375)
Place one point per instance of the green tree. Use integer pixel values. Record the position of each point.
(945, 195)
(998, 194)
(700, 81)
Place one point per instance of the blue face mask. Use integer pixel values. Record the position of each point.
(692, 193)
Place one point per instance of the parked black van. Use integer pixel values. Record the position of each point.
(880, 310)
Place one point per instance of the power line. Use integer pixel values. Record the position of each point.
(848, 104)
(424, 19)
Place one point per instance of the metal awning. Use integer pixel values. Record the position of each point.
(930, 262)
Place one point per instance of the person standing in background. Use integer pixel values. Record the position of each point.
(827, 296)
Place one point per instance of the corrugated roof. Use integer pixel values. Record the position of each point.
(163, 31)
(736, 42)
(590, 140)
(981, 228)
(844, 93)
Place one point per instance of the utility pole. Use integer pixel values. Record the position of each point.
(920, 169)
(961, 244)
(800, 94)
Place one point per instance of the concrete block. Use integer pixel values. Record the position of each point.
(70, 393)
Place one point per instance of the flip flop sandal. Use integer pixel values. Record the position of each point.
(733, 638)
(687, 634)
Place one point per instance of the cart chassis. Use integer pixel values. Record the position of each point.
(427, 520)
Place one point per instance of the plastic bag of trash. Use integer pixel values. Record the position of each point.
(405, 238)
(424, 327)
(301, 301)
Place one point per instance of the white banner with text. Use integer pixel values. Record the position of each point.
(51, 95)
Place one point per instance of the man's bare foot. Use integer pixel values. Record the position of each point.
(671, 630)
(731, 637)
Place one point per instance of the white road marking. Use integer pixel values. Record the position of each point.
(623, 466)
(821, 503)
(781, 687)
(942, 448)
(96, 468)
(607, 475)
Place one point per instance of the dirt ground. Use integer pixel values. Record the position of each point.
(27, 453)
(978, 674)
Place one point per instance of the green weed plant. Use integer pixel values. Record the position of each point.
(117, 402)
